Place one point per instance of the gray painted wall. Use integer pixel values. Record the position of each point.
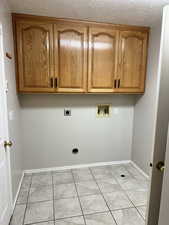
(146, 107)
(49, 137)
(13, 103)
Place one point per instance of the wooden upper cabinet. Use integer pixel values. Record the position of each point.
(68, 56)
(102, 64)
(35, 56)
(132, 61)
(70, 51)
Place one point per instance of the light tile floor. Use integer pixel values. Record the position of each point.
(89, 196)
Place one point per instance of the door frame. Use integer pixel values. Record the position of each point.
(5, 111)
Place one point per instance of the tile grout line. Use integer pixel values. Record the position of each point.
(140, 213)
(27, 201)
(78, 197)
(53, 193)
(39, 222)
(103, 196)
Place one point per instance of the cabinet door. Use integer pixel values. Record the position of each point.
(102, 66)
(132, 61)
(35, 56)
(70, 57)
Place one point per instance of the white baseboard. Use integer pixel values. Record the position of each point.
(17, 193)
(76, 166)
(140, 170)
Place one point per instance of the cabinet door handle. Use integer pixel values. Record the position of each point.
(119, 83)
(51, 82)
(56, 82)
(115, 81)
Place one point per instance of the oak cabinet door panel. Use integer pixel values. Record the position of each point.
(132, 61)
(70, 57)
(35, 56)
(103, 46)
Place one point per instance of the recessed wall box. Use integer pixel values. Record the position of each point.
(103, 110)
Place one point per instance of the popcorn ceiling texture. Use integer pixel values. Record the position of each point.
(136, 12)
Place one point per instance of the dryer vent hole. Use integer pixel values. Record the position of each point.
(75, 151)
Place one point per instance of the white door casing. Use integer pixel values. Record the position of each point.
(164, 205)
(5, 179)
(162, 120)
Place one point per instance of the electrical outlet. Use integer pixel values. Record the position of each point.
(67, 112)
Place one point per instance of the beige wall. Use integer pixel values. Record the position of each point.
(146, 108)
(49, 136)
(13, 103)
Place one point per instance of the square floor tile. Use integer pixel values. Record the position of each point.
(101, 173)
(87, 188)
(100, 219)
(118, 170)
(144, 184)
(64, 191)
(100, 168)
(128, 217)
(142, 210)
(132, 170)
(123, 179)
(41, 180)
(27, 174)
(93, 204)
(109, 185)
(132, 184)
(67, 208)
(62, 177)
(40, 193)
(26, 182)
(138, 197)
(42, 173)
(82, 175)
(117, 200)
(71, 221)
(39, 212)
(18, 215)
(23, 195)
(141, 178)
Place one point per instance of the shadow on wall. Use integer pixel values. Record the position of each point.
(75, 100)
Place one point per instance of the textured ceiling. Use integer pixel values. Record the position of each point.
(139, 12)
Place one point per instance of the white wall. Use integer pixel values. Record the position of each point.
(13, 103)
(146, 107)
(49, 136)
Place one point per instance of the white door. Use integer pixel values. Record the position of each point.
(164, 206)
(159, 192)
(5, 182)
